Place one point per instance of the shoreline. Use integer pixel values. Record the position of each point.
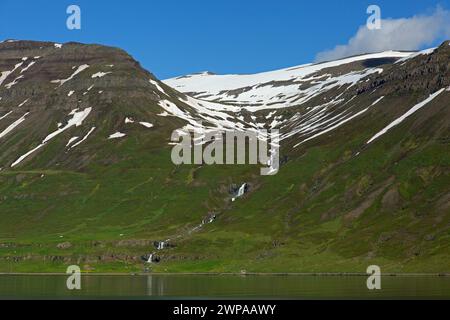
(261, 274)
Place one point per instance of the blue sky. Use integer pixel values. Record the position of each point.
(172, 38)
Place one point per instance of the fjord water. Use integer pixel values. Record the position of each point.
(223, 286)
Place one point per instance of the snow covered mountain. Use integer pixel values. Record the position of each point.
(281, 88)
(305, 101)
(85, 156)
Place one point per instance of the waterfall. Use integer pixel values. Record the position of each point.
(240, 192)
(161, 245)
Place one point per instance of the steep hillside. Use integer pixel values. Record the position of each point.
(87, 175)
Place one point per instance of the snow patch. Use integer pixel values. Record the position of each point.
(76, 120)
(376, 101)
(332, 127)
(84, 138)
(423, 52)
(405, 115)
(21, 158)
(27, 67)
(13, 125)
(9, 85)
(79, 69)
(117, 135)
(100, 74)
(23, 103)
(5, 74)
(72, 140)
(4, 116)
(156, 84)
(146, 124)
(88, 89)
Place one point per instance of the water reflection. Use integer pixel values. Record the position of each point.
(226, 286)
(155, 286)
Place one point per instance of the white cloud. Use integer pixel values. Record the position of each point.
(395, 34)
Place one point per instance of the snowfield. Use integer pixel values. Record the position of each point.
(218, 101)
(322, 97)
(262, 89)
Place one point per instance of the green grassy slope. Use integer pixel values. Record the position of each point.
(327, 210)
